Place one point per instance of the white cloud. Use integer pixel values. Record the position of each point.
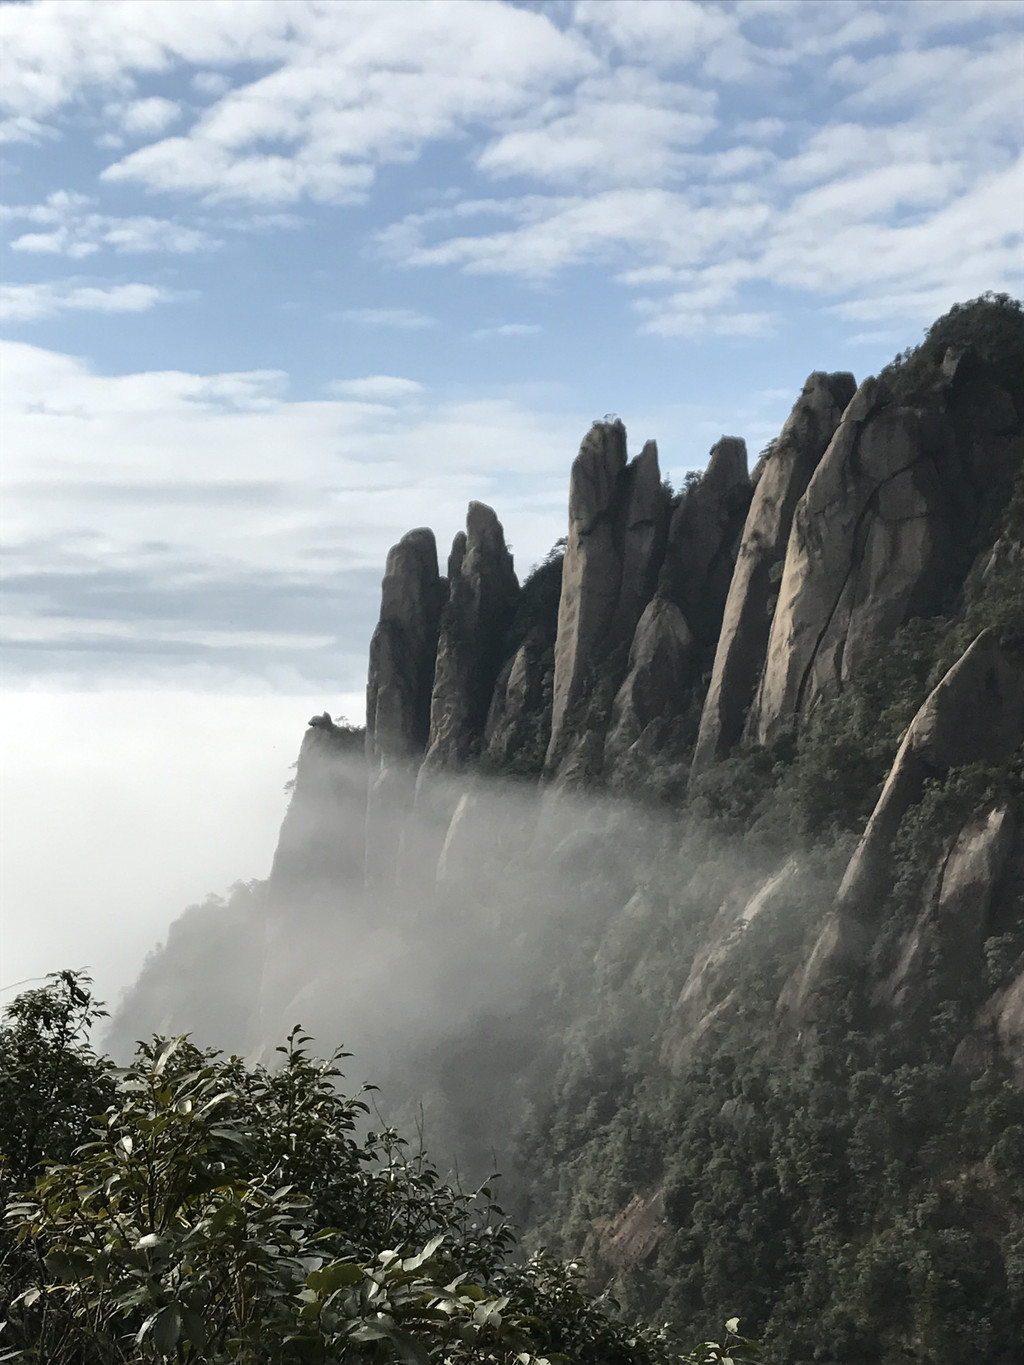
(150, 115)
(406, 318)
(22, 128)
(860, 128)
(623, 127)
(31, 302)
(206, 499)
(663, 32)
(377, 388)
(350, 85)
(76, 229)
(508, 329)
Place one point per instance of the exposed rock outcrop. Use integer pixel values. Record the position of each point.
(515, 733)
(947, 938)
(482, 592)
(318, 866)
(866, 551)
(974, 715)
(703, 540)
(321, 839)
(617, 516)
(781, 481)
(401, 678)
(662, 660)
(883, 532)
(403, 650)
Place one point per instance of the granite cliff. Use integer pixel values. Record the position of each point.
(730, 786)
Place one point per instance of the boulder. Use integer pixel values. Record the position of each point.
(662, 660)
(703, 540)
(780, 483)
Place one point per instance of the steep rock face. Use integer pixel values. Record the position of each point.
(954, 921)
(974, 715)
(883, 532)
(703, 540)
(401, 677)
(317, 873)
(865, 553)
(321, 838)
(660, 671)
(482, 595)
(617, 516)
(515, 731)
(403, 650)
(780, 483)
(642, 533)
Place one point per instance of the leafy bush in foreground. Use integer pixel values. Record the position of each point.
(222, 1213)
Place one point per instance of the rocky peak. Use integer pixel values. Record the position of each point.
(868, 549)
(783, 478)
(403, 649)
(482, 594)
(617, 518)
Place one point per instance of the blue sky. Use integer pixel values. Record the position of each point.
(284, 278)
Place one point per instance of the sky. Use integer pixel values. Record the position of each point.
(282, 279)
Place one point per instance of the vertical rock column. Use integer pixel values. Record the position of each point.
(482, 595)
(617, 526)
(401, 678)
(748, 611)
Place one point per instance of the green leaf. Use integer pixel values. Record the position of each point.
(337, 1275)
(167, 1329)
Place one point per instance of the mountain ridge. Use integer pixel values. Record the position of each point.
(661, 882)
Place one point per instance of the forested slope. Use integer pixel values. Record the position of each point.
(686, 879)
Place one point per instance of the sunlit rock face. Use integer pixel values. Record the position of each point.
(782, 480)
(883, 533)
(618, 515)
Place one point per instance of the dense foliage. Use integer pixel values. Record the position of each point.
(222, 1213)
(991, 326)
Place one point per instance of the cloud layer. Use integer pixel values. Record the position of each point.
(185, 521)
(864, 155)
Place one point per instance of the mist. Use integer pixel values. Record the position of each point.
(120, 807)
(455, 976)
